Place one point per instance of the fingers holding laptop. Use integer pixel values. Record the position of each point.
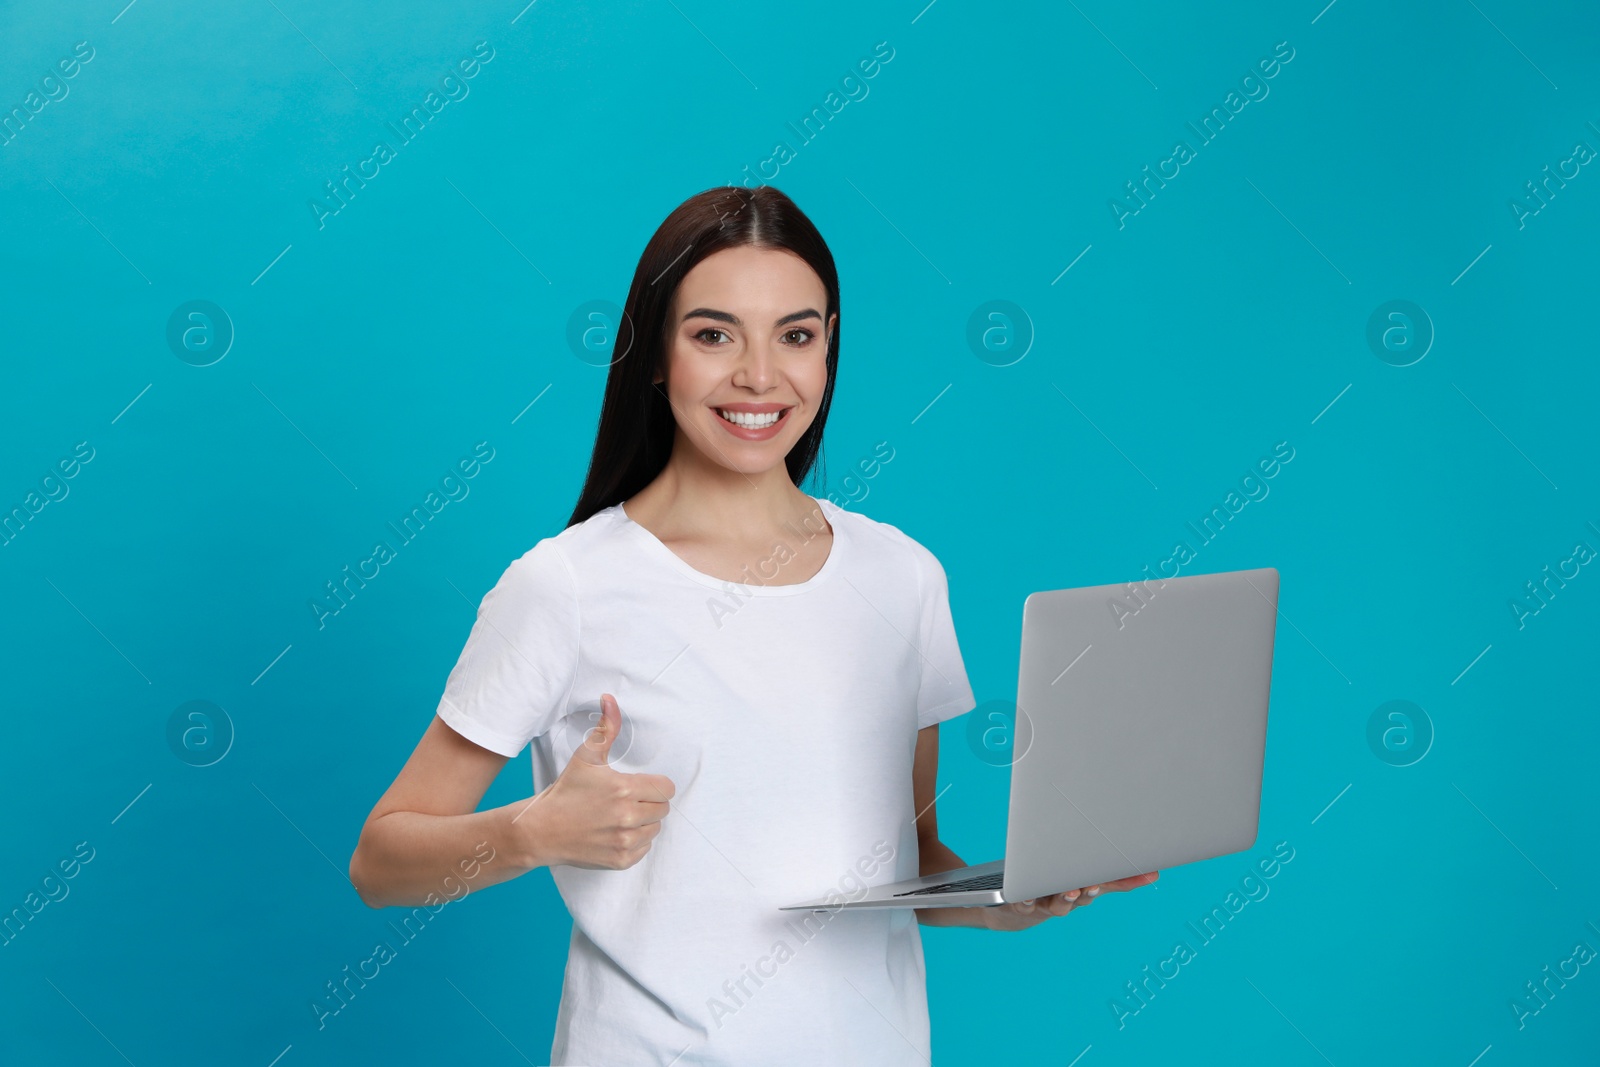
(1026, 913)
(1087, 895)
(1122, 885)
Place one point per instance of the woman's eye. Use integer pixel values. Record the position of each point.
(797, 338)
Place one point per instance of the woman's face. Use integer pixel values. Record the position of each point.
(745, 336)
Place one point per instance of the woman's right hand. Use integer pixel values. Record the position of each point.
(592, 815)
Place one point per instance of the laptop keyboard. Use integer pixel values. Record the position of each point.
(982, 881)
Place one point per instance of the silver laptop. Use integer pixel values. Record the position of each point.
(1140, 731)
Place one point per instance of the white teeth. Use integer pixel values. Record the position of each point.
(751, 422)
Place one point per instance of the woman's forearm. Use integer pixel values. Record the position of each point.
(411, 858)
(935, 857)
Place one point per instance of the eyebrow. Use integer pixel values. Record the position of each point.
(723, 316)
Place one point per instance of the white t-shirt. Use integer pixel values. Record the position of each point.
(786, 717)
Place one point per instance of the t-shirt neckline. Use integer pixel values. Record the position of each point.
(679, 564)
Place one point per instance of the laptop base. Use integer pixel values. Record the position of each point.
(904, 894)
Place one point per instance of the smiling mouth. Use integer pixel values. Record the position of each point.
(749, 421)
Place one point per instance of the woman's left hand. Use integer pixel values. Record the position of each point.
(1025, 913)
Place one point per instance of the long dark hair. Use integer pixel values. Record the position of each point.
(634, 438)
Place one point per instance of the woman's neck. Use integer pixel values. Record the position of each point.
(717, 504)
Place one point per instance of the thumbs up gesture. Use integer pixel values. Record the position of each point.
(594, 816)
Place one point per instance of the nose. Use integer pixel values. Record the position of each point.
(756, 368)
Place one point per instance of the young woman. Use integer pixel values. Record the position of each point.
(764, 674)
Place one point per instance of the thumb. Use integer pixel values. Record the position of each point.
(596, 746)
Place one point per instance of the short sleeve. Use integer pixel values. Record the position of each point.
(512, 680)
(945, 691)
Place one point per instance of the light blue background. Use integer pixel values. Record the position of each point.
(1228, 315)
